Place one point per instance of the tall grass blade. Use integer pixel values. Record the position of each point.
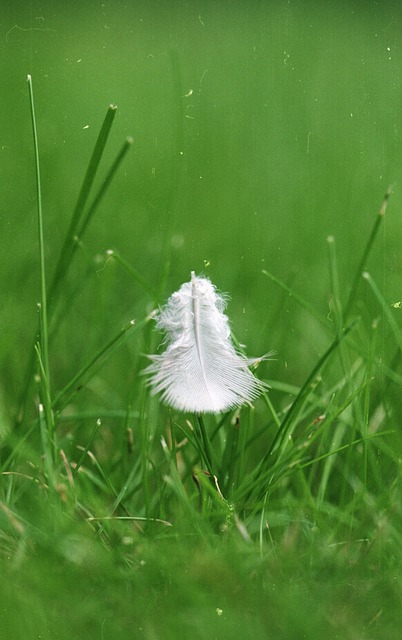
(77, 225)
(337, 309)
(83, 196)
(177, 168)
(43, 304)
(104, 187)
(362, 266)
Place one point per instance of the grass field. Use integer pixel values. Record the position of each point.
(260, 145)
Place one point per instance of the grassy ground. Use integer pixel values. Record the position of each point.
(264, 142)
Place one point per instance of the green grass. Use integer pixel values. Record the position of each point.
(120, 518)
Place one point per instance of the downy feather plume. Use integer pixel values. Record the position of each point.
(200, 370)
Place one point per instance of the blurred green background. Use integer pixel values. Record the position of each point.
(259, 129)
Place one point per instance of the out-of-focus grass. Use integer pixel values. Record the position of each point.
(168, 588)
(259, 132)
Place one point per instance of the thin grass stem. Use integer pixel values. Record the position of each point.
(46, 420)
(86, 448)
(335, 287)
(366, 401)
(44, 338)
(45, 389)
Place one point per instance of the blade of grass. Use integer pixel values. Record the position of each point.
(145, 439)
(137, 277)
(176, 485)
(46, 421)
(89, 178)
(348, 445)
(253, 484)
(44, 338)
(205, 447)
(105, 185)
(243, 452)
(344, 352)
(67, 393)
(130, 518)
(46, 446)
(367, 400)
(386, 309)
(335, 287)
(70, 243)
(305, 390)
(134, 475)
(299, 299)
(177, 168)
(45, 390)
(86, 449)
(363, 260)
(229, 468)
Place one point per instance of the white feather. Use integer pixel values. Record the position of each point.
(200, 370)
